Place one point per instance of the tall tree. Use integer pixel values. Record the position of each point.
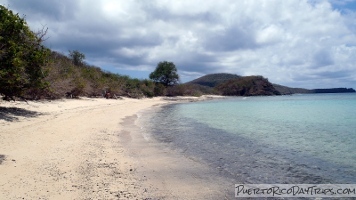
(22, 55)
(165, 73)
(77, 57)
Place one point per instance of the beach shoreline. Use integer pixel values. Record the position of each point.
(167, 173)
(85, 149)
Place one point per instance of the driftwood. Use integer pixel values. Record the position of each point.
(108, 95)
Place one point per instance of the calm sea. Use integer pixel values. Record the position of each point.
(298, 139)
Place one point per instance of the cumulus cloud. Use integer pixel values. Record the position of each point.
(301, 43)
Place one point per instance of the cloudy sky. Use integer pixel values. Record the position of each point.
(298, 43)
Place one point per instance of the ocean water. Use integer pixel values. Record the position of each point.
(298, 139)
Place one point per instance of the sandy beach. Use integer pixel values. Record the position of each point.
(92, 149)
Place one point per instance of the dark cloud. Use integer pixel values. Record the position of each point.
(323, 58)
(323, 79)
(55, 10)
(231, 39)
(102, 43)
(154, 12)
(199, 63)
(343, 74)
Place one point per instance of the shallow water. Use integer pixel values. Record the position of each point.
(299, 139)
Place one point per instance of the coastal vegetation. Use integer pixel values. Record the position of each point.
(22, 56)
(67, 78)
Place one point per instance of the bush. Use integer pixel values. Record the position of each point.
(22, 56)
(159, 89)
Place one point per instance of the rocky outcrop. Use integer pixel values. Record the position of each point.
(248, 86)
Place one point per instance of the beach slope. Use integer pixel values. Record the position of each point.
(86, 149)
(66, 149)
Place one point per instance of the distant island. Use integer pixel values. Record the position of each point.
(289, 90)
(235, 85)
(334, 90)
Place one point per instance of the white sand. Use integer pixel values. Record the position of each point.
(86, 149)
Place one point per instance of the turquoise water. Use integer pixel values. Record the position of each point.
(278, 139)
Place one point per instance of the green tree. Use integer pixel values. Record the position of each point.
(22, 56)
(165, 73)
(77, 57)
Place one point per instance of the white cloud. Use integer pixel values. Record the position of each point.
(269, 35)
(294, 42)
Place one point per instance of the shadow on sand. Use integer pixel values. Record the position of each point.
(11, 114)
(2, 158)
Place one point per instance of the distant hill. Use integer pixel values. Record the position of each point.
(232, 84)
(247, 86)
(235, 85)
(212, 80)
(288, 90)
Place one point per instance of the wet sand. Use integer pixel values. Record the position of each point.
(165, 173)
(91, 149)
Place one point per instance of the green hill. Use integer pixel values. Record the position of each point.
(235, 85)
(212, 80)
